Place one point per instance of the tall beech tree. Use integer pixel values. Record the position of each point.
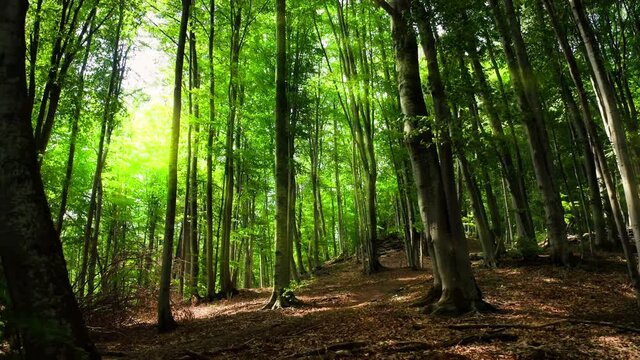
(165, 318)
(454, 289)
(613, 122)
(527, 89)
(279, 297)
(41, 295)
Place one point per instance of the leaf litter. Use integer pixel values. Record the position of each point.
(545, 312)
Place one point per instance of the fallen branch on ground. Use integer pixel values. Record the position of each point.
(334, 347)
(482, 338)
(504, 326)
(539, 326)
(407, 346)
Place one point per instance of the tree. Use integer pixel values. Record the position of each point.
(612, 120)
(279, 296)
(454, 289)
(32, 259)
(528, 95)
(165, 318)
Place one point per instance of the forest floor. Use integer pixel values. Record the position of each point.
(545, 312)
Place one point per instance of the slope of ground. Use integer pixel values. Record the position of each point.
(558, 313)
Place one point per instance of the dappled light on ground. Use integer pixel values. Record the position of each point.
(544, 312)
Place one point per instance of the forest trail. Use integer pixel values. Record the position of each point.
(351, 315)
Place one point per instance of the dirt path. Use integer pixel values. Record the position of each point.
(357, 316)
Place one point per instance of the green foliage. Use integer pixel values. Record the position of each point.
(320, 90)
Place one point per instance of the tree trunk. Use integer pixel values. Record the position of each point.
(279, 297)
(193, 199)
(526, 86)
(165, 318)
(458, 290)
(32, 258)
(227, 288)
(211, 281)
(515, 180)
(77, 109)
(341, 230)
(614, 123)
(582, 119)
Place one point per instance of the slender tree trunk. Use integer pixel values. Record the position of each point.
(153, 220)
(227, 288)
(211, 281)
(283, 248)
(115, 79)
(34, 46)
(515, 180)
(614, 123)
(526, 86)
(77, 110)
(165, 318)
(93, 252)
(193, 202)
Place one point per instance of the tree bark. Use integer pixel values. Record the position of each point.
(279, 298)
(583, 120)
(165, 318)
(193, 199)
(526, 86)
(32, 258)
(458, 291)
(227, 288)
(614, 124)
(211, 281)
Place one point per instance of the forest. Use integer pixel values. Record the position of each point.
(319, 179)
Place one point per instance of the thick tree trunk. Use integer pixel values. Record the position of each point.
(32, 258)
(458, 290)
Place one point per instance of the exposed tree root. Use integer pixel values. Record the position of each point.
(227, 295)
(329, 348)
(406, 346)
(482, 338)
(538, 326)
(433, 294)
(286, 299)
(453, 308)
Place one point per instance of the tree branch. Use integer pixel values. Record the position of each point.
(386, 7)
